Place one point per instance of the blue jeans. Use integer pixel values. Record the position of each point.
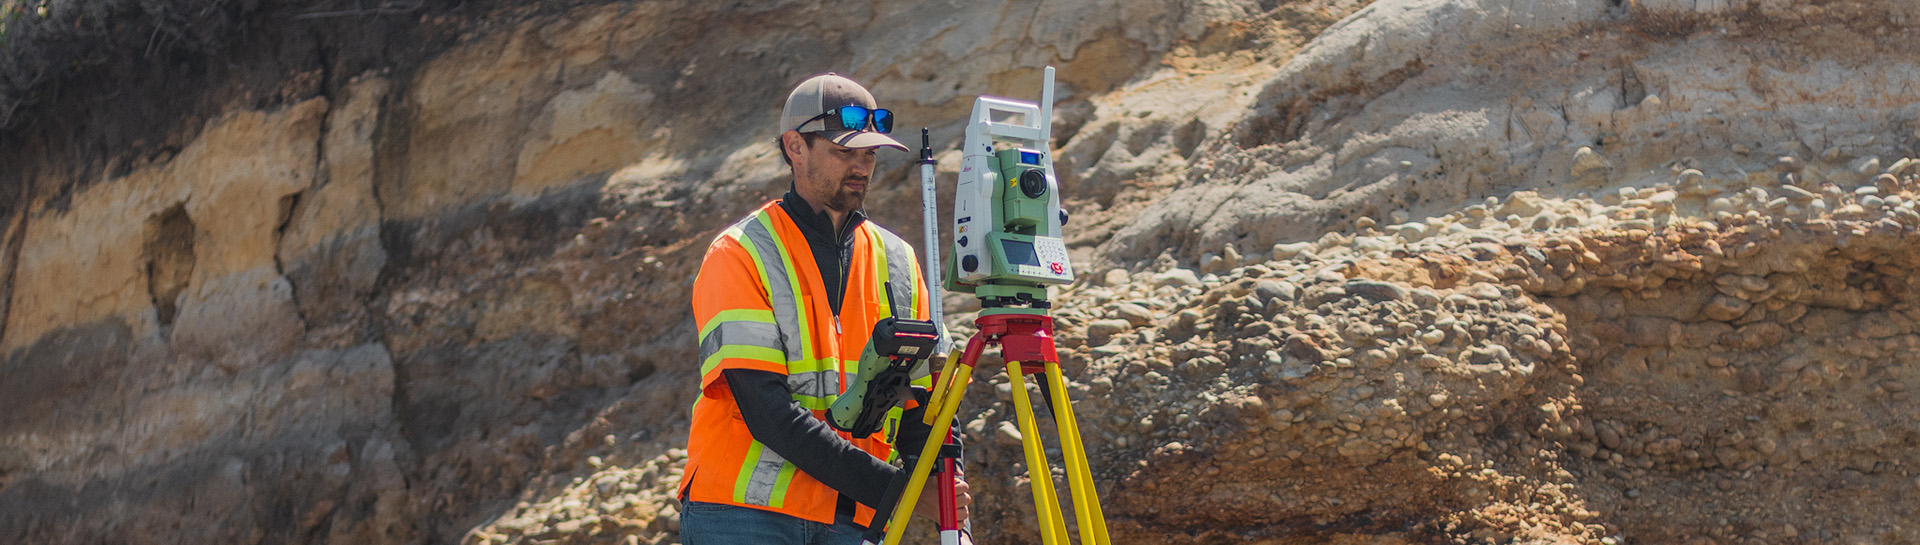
(703, 523)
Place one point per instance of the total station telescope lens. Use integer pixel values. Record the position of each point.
(1033, 183)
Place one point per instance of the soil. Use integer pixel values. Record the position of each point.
(1294, 323)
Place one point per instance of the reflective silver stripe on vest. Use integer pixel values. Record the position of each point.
(786, 307)
(739, 333)
(816, 384)
(899, 272)
(766, 474)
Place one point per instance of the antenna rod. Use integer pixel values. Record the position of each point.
(1046, 109)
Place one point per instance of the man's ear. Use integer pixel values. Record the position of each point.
(794, 144)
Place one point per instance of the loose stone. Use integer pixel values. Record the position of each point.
(1178, 278)
(1287, 251)
(1376, 291)
(1101, 331)
(1134, 314)
(1789, 163)
(1691, 177)
(1586, 161)
(1276, 289)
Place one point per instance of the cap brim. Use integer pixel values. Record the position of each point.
(864, 139)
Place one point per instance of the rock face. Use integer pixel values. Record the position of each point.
(1401, 271)
(1424, 107)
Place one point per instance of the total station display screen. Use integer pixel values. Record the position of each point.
(1020, 253)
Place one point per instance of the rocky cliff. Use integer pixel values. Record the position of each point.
(1407, 271)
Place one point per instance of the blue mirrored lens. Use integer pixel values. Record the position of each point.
(883, 120)
(853, 118)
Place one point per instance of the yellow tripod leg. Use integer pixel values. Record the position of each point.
(1086, 500)
(929, 455)
(940, 388)
(1045, 504)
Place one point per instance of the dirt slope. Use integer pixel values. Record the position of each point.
(1407, 271)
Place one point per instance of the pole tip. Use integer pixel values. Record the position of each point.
(926, 146)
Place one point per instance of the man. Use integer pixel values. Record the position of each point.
(785, 302)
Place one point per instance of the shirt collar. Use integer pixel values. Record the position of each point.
(820, 222)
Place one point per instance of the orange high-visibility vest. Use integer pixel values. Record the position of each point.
(760, 304)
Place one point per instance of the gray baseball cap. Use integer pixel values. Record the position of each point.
(826, 91)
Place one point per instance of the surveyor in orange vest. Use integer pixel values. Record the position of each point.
(786, 301)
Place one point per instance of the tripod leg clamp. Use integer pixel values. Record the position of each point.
(951, 451)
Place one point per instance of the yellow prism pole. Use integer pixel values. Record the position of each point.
(1039, 475)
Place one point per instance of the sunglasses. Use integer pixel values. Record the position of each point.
(854, 118)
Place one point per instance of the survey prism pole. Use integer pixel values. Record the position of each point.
(929, 209)
(930, 217)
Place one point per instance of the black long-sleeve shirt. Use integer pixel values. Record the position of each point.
(780, 423)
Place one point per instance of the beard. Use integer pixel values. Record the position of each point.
(847, 200)
(838, 197)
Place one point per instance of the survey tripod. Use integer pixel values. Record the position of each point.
(1026, 342)
(1012, 252)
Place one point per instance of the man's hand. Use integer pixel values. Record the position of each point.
(929, 504)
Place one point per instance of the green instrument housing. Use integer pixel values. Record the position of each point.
(1021, 237)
